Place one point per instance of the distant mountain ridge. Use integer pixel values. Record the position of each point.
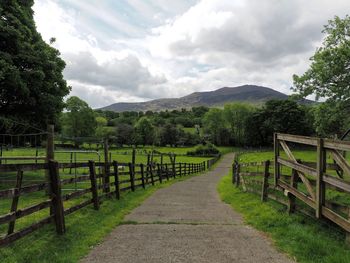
(246, 93)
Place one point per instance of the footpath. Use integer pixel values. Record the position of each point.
(187, 222)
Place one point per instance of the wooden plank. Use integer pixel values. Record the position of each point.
(320, 187)
(291, 198)
(75, 180)
(142, 176)
(252, 174)
(131, 173)
(337, 145)
(76, 194)
(301, 175)
(116, 180)
(303, 197)
(93, 182)
(9, 193)
(77, 207)
(57, 204)
(24, 212)
(334, 217)
(297, 139)
(341, 161)
(22, 167)
(297, 166)
(276, 149)
(19, 234)
(265, 183)
(15, 201)
(339, 183)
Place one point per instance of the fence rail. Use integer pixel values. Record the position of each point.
(309, 182)
(114, 179)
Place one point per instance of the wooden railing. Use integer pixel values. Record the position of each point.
(308, 182)
(56, 204)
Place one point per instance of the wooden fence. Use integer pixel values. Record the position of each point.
(55, 204)
(314, 184)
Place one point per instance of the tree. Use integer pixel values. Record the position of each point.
(145, 131)
(330, 119)
(285, 116)
(329, 73)
(79, 120)
(236, 115)
(168, 134)
(124, 133)
(214, 127)
(32, 87)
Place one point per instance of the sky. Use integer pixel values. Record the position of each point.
(137, 50)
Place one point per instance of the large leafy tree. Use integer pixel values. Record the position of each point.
(32, 86)
(145, 131)
(329, 73)
(285, 116)
(79, 120)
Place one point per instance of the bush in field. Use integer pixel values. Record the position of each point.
(204, 150)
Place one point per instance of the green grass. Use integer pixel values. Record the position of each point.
(85, 229)
(303, 238)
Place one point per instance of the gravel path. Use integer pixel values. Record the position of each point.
(186, 222)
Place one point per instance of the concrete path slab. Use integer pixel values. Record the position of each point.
(187, 222)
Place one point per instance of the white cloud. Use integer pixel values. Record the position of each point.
(136, 50)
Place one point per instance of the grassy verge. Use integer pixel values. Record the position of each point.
(85, 228)
(303, 238)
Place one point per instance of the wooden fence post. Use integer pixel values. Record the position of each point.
(50, 151)
(233, 173)
(167, 171)
(92, 171)
(159, 171)
(142, 176)
(116, 180)
(106, 186)
(15, 199)
(265, 184)
(131, 173)
(276, 155)
(320, 187)
(238, 179)
(57, 204)
(151, 171)
(291, 198)
(180, 169)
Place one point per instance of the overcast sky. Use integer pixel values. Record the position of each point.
(136, 50)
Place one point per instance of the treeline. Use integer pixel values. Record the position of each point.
(176, 128)
(236, 124)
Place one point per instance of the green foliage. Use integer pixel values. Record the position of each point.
(236, 115)
(79, 120)
(31, 80)
(285, 116)
(329, 74)
(145, 131)
(204, 150)
(215, 127)
(331, 119)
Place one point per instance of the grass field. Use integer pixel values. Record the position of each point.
(85, 228)
(95, 224)
(303, 238)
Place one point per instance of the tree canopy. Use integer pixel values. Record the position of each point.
(329, 73)
(32, 86)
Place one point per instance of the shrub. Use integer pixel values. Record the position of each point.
(204, 150)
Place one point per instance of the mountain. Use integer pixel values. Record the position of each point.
(246, 93)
